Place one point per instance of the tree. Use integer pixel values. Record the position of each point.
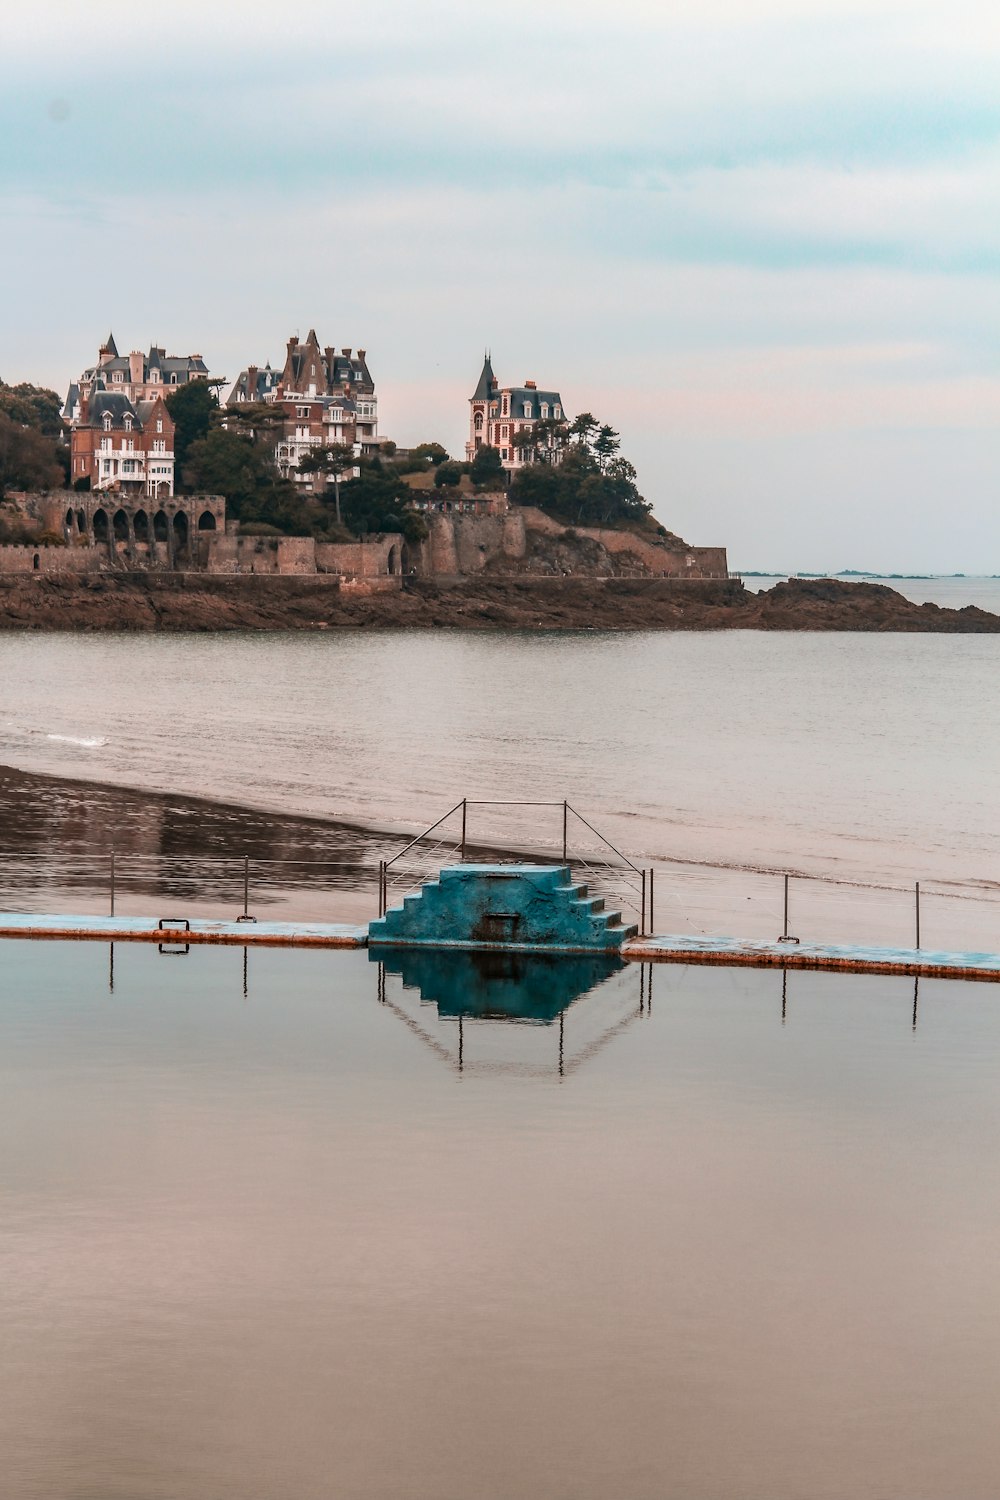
(32, 406)
(333, 462)
(487, 470)
(430, 452)
(226, 463)
(29, 460)
(194, 408)
(578, 474)
(449, 474)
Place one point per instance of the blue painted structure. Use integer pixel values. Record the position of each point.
(493, 985)
(503, 906)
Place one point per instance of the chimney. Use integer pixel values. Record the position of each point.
(346, 353)
(135, 363)
(251, 382)
(328, 353)
(293, 342)
(84, 410)
(361, 355)
(530, 385)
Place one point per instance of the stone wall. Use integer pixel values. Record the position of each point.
(382, 556)
(260, 554)
(465, 544)
(50, 560)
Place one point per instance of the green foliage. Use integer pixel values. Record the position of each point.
(577, 474)
(487, 470)
(378, 501)
(29, 460)
(32, 406)
(449, 473)
(429, 453)
(194, 408)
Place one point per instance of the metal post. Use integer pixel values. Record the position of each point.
(381, 887)
(916, 890)
(112, 879)
(642, 924)
(785, 933)
(652, 924)
(565, 813)
(246, 885)
(465, 809)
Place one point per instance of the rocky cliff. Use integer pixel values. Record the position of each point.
(192, 602)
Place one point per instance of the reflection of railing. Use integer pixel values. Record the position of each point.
(625, 881)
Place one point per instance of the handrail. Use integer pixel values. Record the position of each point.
(421, 836)
(603, 839)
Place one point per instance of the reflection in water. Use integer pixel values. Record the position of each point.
(268, 1246)
(478, 987)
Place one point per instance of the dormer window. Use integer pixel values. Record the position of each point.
(545, 409)
(527, 408)
(107, 421)
(557, 409)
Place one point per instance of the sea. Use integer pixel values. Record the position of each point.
(294, 1223)
(857, 764)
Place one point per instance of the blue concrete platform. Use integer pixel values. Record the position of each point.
(147, 930)
(845, 958)
(516, 907)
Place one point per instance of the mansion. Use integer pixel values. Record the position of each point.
(327, 399)
(121, 436)
(497, 413)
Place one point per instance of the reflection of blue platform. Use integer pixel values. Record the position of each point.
(493, 985)
(503, 906)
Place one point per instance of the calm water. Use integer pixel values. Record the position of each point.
(291, 1233)
(867, 759)
(950, 593)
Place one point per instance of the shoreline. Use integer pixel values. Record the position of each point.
(152, 602)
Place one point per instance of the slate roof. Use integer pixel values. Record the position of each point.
(486, 381)
(519, 395)
(113, 403)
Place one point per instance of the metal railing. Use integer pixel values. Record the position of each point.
(627, 882)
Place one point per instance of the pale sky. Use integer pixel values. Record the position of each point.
(760, 237)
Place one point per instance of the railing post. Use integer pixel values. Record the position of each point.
(465, 808)
(652, 923)
(916, 893)
(246, 885)
(785, 937)
(112, 879)
(565, 820)
(642, 923)
(381, 887)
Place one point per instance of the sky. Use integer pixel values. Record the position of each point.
(759, 237)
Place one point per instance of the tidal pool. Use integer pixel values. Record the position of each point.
(310, 1224)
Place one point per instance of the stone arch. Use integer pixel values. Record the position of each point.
(36, 562)
(163, 490)
(100, 525)
(140, 524)
(180, 528)
(161, 526)
(120, 524)
(69, 520)
(206, 521)
(392, 561)
(81, 522)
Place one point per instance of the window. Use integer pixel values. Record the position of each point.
(506, 410)
(504, 453)
(479, 421)
(503, 432)
(302, 411)
(173, 378)
(527, 408)
(105, 445)
(545, 410)
(107, 422)
(159, 424)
